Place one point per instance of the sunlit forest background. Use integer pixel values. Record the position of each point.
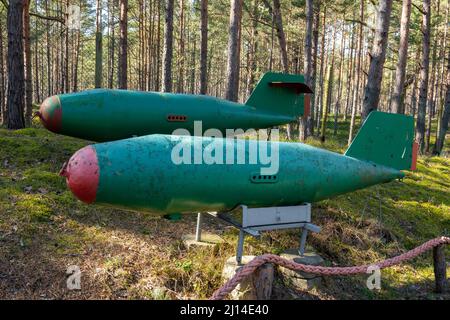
(156, 45)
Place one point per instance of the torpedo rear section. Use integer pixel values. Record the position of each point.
(106, 115)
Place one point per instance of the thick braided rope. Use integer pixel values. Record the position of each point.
(250, 267)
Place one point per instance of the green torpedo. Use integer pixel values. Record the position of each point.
(182, 174)
(107, 115)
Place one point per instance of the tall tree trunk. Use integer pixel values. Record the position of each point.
(424, 74)
(337, 105)
(433, 86)
(123, 45)
(140, 57)
(280, 33)
(310, 125)
(204, 47)
(327, 106)
(358, 73)
(319, 95)
(66, 48)
(158, 48)
(2, 77)
(442, 130)
(398, 98)
(253, 49)
(303, 132)
(27, 62)
(441, 102)
(180, 55)
(350, 71)
(112, 44)
(37, 67)
(234, 43)
(49, 53)
(282, 43)
(271, 42)
(16, 90)
(168, 47)
(98, 46)
(378, 56)
(193, 68)
(76, 60)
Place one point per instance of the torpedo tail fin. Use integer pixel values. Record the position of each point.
(386, 139)
(282, 93)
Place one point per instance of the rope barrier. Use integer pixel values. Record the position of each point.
(250, 267)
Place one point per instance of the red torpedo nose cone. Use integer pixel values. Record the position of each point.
(82, 174)
(50, 114)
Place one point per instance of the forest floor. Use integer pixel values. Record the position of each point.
(129, 255)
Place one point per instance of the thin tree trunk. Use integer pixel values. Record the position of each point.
(75, 62)
(280, 33)
(424, 74)
(180, 82)
(98, 46)
(203, 47)
(2, 76)
(16, 90)
(66, 48)
(271, 42)
(158, 48)
(253, 49)
(311, 123)
(308, 67)
(282, 43)
(168, 47)
(193, 69)
(37, 86)
(319, 95)
(442, 130)
(234, 51)
(350, 72)
(327, 106)
(112, 44)
(123, 45)
(27, 62)
(341, 71)
(398, 98)
(378, 56)
(49, 53)
(441, 102)
(358, 72)
(433, 85)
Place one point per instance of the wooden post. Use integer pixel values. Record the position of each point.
(257, 286)
(440, 272)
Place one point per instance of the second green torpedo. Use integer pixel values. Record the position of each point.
(182, 174)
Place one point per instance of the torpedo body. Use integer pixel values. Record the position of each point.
(106, 115)
(181, 174)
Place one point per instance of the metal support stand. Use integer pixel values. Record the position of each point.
(240, 246)
(301, 250)
(198, 230)
(255, 220)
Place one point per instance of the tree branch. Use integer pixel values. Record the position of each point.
(37, 15)
(418, 8)
(360, 22)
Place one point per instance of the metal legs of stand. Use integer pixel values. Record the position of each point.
(301, 250)
(255, 220)
(198, 230)
(240, 246)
